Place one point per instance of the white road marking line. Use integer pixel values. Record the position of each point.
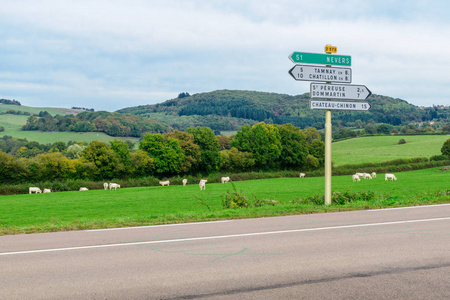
(408, 207)
(223, 236)
(156, 226)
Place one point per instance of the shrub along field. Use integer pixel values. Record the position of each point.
(159, 205)
(384, 148)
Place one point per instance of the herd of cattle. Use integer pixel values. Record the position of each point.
(202, 184)
(357, 177)
(115, 186)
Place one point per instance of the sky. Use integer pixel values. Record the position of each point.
(113, 54)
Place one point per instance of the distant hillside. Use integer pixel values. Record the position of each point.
(230, 109)
(113, 124)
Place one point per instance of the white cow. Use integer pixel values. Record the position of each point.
(105, 186)
(33, 189)
(355, 178)
(202, 184)
(184, 181)
(47, 191)
(114, 186)
(302, 175)
(367, 176)
(225, 179)
(390, 176)
(83, 188)
(374, 175)
(163, 183)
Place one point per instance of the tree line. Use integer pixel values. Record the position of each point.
(113, 124)
(194, 151)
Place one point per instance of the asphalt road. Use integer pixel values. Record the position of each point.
(375, 254)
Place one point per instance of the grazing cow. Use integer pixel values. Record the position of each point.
(302, 175)
(184, 181)
(202, 184)
(33, 189)
(367, 176)
(83, 188)
(163, 183)
(374, 175)
(47, 191)
(390, 176)
(225, 179)
(114, 186)
(105, 186)
(355, 178)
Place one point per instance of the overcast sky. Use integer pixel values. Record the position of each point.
(113, 54)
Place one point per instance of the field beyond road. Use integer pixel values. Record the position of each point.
(75, 210)
(375, 149)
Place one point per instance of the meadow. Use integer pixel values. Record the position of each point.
(137, 206)
(14, 123)
(383, 148)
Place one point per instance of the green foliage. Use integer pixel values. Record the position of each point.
(225, 110)
(209, 148)
(105, 161)
(113, 124)
(401, 142)
(235, 161)
(234, 199)
(263, 141)
(445, 150)
(191, 151)
(166, 153)
(294, 149)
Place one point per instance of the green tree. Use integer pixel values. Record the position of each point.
(293, 145)
(384, 129)
(122, 150)
(74, 151)
(445, 150)
(103, 158)
(166, 153)
(263, 141)
(209, 148)
(191, 151)
(235, 160)
(141, 164)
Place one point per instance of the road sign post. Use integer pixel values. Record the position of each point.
(328, 90)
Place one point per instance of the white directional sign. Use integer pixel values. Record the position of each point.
(339, 105)
(313, 73)
(339, 91)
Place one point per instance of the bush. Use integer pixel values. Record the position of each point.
(446, 148)
(234, 199)
(401, 141)
(439, 157)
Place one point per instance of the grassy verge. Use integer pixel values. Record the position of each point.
(161, 205)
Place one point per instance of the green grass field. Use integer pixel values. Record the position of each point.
(384, 148)
(157, 205)
(14, 123)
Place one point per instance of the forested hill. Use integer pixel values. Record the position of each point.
(230, 109)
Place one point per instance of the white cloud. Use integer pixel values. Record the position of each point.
(140, 52)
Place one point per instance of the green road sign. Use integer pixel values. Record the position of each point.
(321, 59)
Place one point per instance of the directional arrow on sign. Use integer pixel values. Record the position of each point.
(318, 73)
(321, 59)
(339, 91)
(339, 105)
